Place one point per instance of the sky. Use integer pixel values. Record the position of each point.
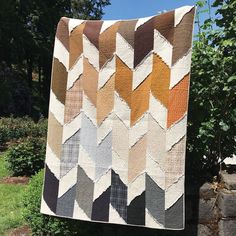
(131, 9)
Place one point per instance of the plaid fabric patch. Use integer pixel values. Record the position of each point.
(119, 195)
(70, 153)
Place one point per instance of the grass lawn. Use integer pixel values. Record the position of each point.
(10, 201)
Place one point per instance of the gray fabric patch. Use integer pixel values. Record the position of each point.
(65, 204)
(84, 192)
(155, 200)
(88, 137)
(175, 212)
(101, 154)
(103, 158)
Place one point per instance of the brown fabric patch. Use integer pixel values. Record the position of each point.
(144, 33)
(74, 100)
(59, 80)
(137, 158)
(76, 44)
(160, 80)
(123, 80)
(54, 137)
(63, 32)
(165, 25)
(140, 100)
(105, 100)
(107, 44)
(90, 81)
(126, 30)
(178, 101)
(183, 36)
(92, 31)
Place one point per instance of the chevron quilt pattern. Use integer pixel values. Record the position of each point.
(117, 120)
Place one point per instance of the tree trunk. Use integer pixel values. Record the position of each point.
(40, 79)
(29, 72)
(29, 62)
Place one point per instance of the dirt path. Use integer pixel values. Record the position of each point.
(21, 231)
(15, 180)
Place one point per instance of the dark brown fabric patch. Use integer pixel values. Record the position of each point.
(165, 25)
(183, 36)
(126, 30)
(92, 31)
(144, 33)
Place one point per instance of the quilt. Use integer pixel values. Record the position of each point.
(117, 120)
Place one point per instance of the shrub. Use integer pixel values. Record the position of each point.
(12, 129)
(49, 225)
(27, 157)
(212, 113)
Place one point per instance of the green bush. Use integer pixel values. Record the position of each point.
(27, 157)
(12, 129)
(212, 112)
(49, 225)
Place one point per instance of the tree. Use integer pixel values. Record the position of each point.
(27, 35)
(212, 112)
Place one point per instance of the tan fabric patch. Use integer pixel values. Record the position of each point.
(105, 100)
(76, 44)
(175, 158)
(107, 44)
(90, 81)
(74, 99)
(156, 141)
(59, 80)
(137, 159)
(54, 137)
(63, 32)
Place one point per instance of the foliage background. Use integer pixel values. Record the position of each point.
(212, 111)
(26, 43)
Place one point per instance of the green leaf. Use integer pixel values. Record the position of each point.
(224, 126)
(231, 78)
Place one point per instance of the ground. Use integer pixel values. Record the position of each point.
(11, 189)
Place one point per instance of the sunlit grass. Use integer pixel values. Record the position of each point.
(10, 201)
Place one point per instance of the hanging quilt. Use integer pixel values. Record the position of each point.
(117, 120)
